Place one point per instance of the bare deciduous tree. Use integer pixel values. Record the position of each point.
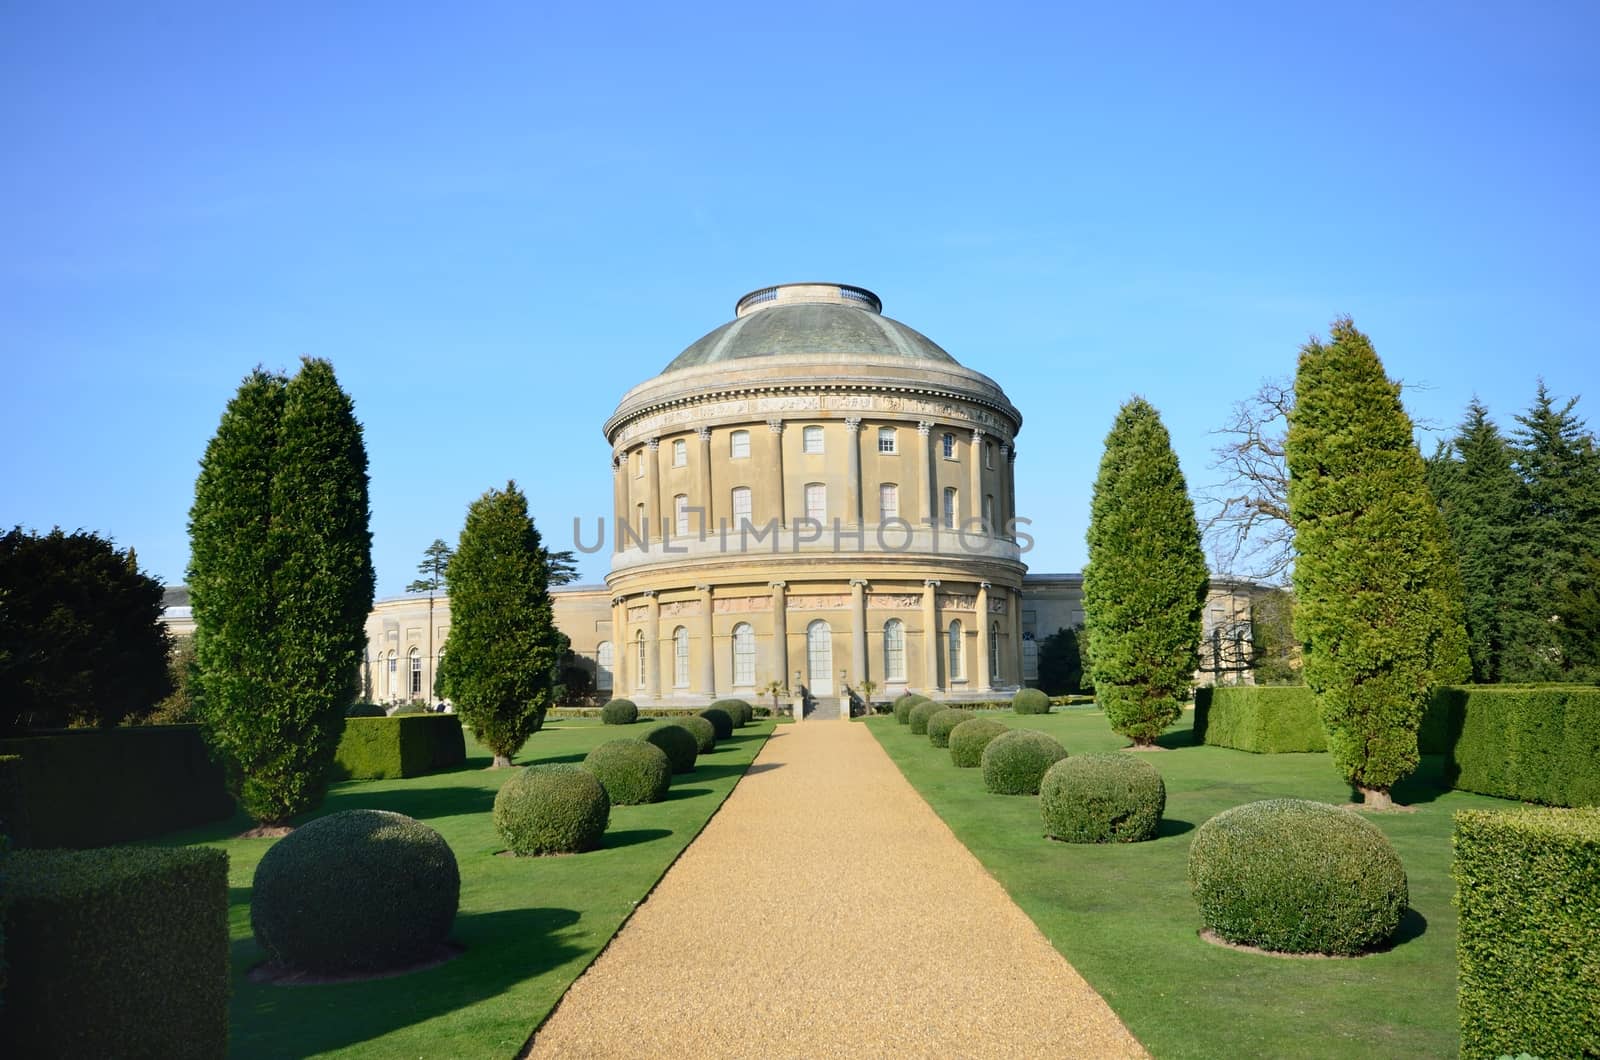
(1248, 532)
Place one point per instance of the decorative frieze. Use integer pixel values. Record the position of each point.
(894, 601)
(951, 602)
(758, 408)
(740, 605)
(819, 603)
(680, 609)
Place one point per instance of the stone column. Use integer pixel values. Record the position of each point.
(652, 643)
(708, 657)
(982, 670)
(619, 496)
(858, 631)
(652, 491)
(930, 634)
(975, 478)
(852, 515)
(708, 521)
(775, 469)
(930, 485)
(780, 633)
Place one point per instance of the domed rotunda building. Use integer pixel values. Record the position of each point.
(818, 495)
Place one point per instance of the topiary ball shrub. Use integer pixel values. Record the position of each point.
(357, 891)
(903, 705)
(740, 712)
(552, 809)
(631, 771)
(619, 712)
(1297, 877)
(721, 723)
(968, 740)
(1030, 701)
(678, 742)
(921, 714)
(941, 724)
(365, 710)
(704, 731)
(1015, 762)
(1105, 797)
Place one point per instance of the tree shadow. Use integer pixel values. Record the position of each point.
(421, 803)
(629, 837)
(674, 794)
(1171, 826)
(1425, 784)
(716, 772)
(763, 767)
(550, 760)
(502, 949)
(1174, 739)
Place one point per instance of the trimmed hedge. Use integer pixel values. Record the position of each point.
(1016, 761)
(1030, 701)
(722, 723)
(552, 809)
(921, 714)
(619, 712)
(357, 891)
(1297, 877)
(631, 771)
(1529, 944)
(117, 952)
(1534, 744)
(704, 731)
(1263, 719)
(406, 745)
(739, 711)
(1105, 797)
(968, 740)
(941, 724)
(96, 787)
(903, 705)
(677, 741)
(365, 710)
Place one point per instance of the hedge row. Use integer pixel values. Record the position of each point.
(1534, 744)
(1262, 719)
(95, 787)
(1528, 947)
(407, 745)
(117, 952)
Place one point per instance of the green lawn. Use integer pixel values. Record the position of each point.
(1123, 915)
(530, 925)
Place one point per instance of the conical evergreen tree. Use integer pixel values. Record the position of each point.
(1146, 580)
(1378, 593)
(504, 650)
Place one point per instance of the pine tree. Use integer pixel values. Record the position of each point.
(504, 649)
(1146, 580)
(435, 561)
(1378, 593)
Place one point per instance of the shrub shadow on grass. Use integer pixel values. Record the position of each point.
(628, 837)
(550, 760)
(717, 772)
(1413, 925)
(421, 803)
(1174, 739)
(1171, 826)
(674, 794)
(1424, 785)
(763, 767)
(502, 950)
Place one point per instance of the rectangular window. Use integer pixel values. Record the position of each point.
(817, 502)
(680, 515)
(888, 502)
(948, 443)
(811, 440)
(988, 454)
(680, 453)
(988, 514)
(739, 445)
(741, 506)
(638, 463)
(894, 650)
(886, 443)
(950, 508)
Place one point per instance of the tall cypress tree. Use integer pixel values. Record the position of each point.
(504, 649)
(1146, 580)
(1378, 593)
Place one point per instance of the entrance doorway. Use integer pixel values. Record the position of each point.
(819, 658)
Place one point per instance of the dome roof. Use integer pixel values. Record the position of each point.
(825, 318)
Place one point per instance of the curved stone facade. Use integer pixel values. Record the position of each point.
(819, 498)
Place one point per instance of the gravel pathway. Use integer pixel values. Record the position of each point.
(826, 911)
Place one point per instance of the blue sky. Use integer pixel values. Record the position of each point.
(493, 219)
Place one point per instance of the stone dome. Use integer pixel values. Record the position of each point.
(810, 318)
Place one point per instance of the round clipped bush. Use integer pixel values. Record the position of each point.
(737, 709)
(619, 712)
(357, 891)
(903, 705)
(1105, 797)
(721, 723)
(1030, 701)
(940, 725)
(552, 809)
(921, 714)
(968, 740)
(631, 771)
(704, 731)
(365, 710)
(677, 741)
(1015, 762)
(1297, 877)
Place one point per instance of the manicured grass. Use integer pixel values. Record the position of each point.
(530, 925)
(1123, 915)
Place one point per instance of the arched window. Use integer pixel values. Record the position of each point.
(950, 508)
(741, 506)
(955, 652)
(638, 672)
(739, 445)
(392, 683)
(894, 650)
(811, 440)
(680, 657)
(888, 502)
(816, 502)
(680, 515)
(416, 671)
(605, 659)
(680, 453)
(744, 655)
(886, 440)
(994, 654)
